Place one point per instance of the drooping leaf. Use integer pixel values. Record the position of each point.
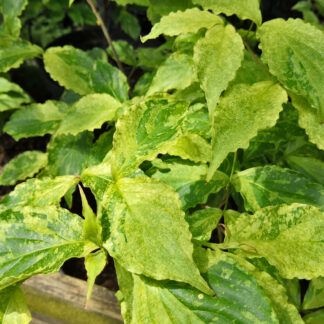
(189, 181)
(183, 22)
(241, 113)
(14, 51)
(294, 52)
(25, 165)
(11, 10)
(314, 297)
(36, 119)
(246, 9)
(290, 237)
(12, 96)
(89, 113)
(39, 193)
(129, 24)
(202, 222)
(13, 308)
(272, 185)
(94, 264)
(145, 130)
(177, 72)
(70, 67)
(140, 219)
(310, 120)
(38, 240)
(239, 296)
(217, 57)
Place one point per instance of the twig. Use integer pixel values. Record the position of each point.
(106, 33)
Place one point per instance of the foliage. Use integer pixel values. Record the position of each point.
(205, 159)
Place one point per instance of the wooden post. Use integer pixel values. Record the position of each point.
(60, 299)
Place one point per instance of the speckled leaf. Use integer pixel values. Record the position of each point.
(11, 10)
(14, 51)
(238, 296)
(177, 72)
(310, 121)
(145, 130)
(38, 240)
(42, 193)
(272, 185)
(94, 264)
(217, 57)
(12, 96)
(244, 9)
(23, 166)
(13, 308)
(89, 113)
(191, 147)
(36, 119)
(189, 181)
(141, 218)
(314, 297)
(70, 67)
(202, 222)
(290, 237)
(183, 22)
(294, 50)
(241, 113)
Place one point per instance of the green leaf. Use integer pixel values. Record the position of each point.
(23, 166)
(183, 22)
(106, 78)
(71, 2)
(217, 57)
(81, 14)
(88, 113)
(290, 237)
(38, 240)
(192, 147)
(177, 72)
(238, 296)
(202, 222)
(314, 297)
(140, 220)
(10, 11)
(125, 51)
(315, 317)
(241, 113)
(39, 193)
(12, 96)
(143, 131)
(129, 24)
(91, 228)
(13, 308)
(144, 3)
(14, 51)
(308, 166)
(70, 67)
(272, 185)
(94, 264)
(294, 52)
(246, 9)
(189, 181)
(310, 120)
(36, 119)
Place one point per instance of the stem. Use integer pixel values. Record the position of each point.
(230, 181)
(105, 32)
(256, 59)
